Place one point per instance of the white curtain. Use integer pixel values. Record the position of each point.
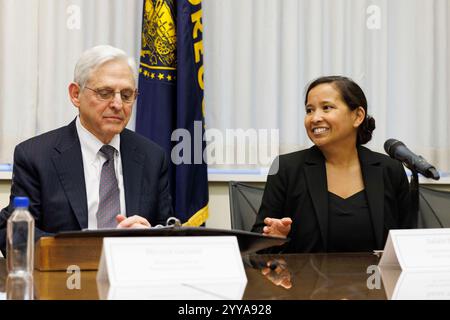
(259, 56)
(40, 42)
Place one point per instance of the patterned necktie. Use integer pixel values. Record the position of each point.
(109, 204)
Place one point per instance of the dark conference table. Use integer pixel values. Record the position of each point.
(332, 276)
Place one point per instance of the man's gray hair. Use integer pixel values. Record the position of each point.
(93, 58)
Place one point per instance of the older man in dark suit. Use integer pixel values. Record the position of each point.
(93, 173)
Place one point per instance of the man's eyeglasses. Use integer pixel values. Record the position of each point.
(107, 94)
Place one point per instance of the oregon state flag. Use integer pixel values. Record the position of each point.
(170, 101)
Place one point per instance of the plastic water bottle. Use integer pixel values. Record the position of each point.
(20, 252)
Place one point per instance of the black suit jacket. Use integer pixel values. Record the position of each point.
(49, 170)
(299, 190)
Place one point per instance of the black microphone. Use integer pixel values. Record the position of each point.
(397, 150)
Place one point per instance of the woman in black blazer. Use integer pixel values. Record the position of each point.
(337, 196)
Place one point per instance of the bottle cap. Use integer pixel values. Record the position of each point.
(21, 202)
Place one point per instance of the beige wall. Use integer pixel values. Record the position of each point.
(5, 186)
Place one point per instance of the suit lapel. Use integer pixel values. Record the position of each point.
(69, 166)
(316, 180)
(132, 167)
(374, 185)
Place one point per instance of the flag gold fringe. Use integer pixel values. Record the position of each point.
(198, 218)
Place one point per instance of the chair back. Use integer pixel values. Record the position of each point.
(245, 201)
(434, 208)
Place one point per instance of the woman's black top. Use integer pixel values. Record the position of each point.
(350, 227)
(297, 188)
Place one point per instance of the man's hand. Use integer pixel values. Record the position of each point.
(277, 227)
(135, 222)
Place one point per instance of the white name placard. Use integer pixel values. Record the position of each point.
(417, 249)
(201, 291)
(170, 261)
(423, 285)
